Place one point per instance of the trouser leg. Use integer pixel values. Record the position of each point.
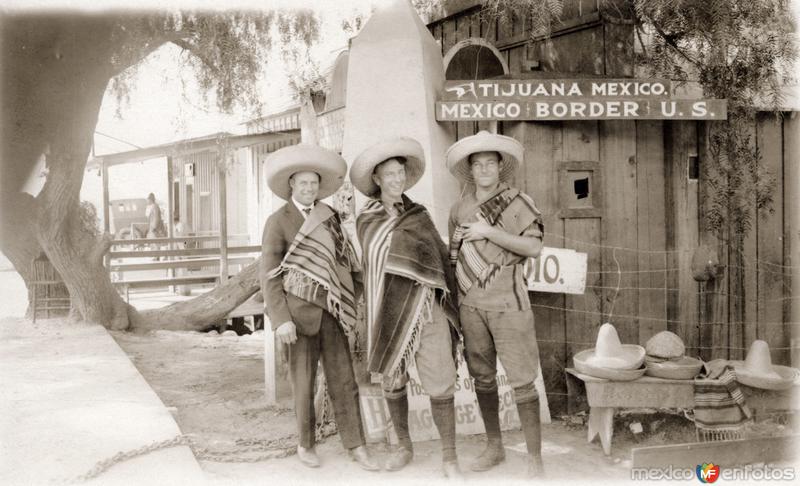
(437, 374)
(515, 339)
(342, 386)
(530, 419)
(444, 417)
(303, 359)
(397, 403)
(481, 356)
(489, 404)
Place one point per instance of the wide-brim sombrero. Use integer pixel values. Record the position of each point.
(364, 165)
(511, 151)
(683, 368)
(781, 378)
(758, 371)
(583, 363)
(281, 164)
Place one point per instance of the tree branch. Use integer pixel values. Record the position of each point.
(193, 50)
(670, 42)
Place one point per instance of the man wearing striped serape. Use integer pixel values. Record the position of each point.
(494, 230)
(307, 279)
(409, 291)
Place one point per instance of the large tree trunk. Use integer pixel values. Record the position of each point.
(58, 70)
(202, 311)
(18, 237)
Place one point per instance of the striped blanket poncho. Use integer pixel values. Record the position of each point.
(406, 272)
(719, 404)
(321, 256)
(478, 262)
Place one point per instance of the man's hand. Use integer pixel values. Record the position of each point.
(287, 333)
(479, 230)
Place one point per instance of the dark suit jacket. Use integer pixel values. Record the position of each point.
(279, 232)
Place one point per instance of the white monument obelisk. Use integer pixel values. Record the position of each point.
(394, 78)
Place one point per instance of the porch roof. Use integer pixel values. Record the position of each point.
(216, 141)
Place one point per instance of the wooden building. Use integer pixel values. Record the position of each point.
(640, 223)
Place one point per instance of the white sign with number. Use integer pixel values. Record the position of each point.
(558, 270)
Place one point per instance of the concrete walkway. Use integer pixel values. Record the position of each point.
(70, 398)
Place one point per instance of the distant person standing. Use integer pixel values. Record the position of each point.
(155, 228)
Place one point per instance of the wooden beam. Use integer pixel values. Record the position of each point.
(161, 241)
(172, 264)
(223, 217)
(270, 374)
(791, 167)
(170, 205)
(190, 252)
(106, 215)
(170, 209)
(187, 147)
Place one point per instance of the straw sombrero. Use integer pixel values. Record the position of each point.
(683, 368)
(665, 344)
(458, 154)
(364, 165)
(611, 359)
(303, 157)
(758, 371)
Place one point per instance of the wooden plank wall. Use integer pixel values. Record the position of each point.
(543, 146)
(652, 260)
(773, 278)
(650, 226)
(682, 232)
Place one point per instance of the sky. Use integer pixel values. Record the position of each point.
(159, 110)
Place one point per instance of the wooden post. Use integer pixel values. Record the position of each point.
(170, 225)
(106, 217)
(170, 205)
(106, 213)
(270, 376)
(223, 218)
(791, 161)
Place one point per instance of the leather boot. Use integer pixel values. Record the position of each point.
(308, 456)
(398, 411)
(364, 459)
(494, 453)
(444, 417)
(532, 429)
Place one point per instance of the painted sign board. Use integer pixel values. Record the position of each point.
(558, 270)
(582, 109)
(571, 99)
(534, 89)
(378, 425)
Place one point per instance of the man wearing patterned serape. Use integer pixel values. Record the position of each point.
(409, 290)
(307, 279)
(494, 230)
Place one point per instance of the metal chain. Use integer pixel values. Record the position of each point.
(102, 466)
(271, 448)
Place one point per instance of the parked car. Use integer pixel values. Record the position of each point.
(128, 218)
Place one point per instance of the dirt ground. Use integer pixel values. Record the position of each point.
(214, 385)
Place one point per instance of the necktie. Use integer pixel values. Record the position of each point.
(307, 211)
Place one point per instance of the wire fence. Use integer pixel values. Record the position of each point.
(611, 292)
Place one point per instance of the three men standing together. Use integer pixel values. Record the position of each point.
(422, 298)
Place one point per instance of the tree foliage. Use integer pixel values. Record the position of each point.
(59, 69)
(738, 50)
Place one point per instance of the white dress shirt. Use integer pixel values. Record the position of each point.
(301, 207)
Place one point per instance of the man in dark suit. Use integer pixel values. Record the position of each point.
(309, 294)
